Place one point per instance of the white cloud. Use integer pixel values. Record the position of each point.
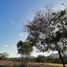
(5, 45)
(36, 53)
(21, 35)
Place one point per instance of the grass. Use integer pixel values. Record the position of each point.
(5, 63)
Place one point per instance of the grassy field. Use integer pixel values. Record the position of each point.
(18, 64)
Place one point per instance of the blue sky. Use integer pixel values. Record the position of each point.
(14, 14)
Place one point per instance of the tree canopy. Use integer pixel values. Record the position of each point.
(24, 48)
(48, 31)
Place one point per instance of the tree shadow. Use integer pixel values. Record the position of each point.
(2, 66)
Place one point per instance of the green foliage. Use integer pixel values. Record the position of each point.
(40, 59)
(63, 12)
(52, 26)
(50, 31)
(13, 59)
(24, 47)
(48, 59)
(3, 56)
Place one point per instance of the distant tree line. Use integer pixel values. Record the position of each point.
(40, 59)
(3, 56)
(49, 59)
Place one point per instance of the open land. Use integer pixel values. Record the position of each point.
(5, 63)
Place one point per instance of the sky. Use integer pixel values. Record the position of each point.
(14, 14)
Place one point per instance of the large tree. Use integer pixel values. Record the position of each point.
(48, 31)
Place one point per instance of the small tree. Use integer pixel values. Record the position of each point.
(3, 56)
(40, 58)
(24, 48)
(48, 31)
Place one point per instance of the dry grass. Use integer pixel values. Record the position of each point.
(9, 63)
(45, 65)
(17, 64)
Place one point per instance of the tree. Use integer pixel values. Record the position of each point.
(24, 48)
(3, 56)
(48, 31)
(40, 58)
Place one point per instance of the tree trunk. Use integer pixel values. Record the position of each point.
(61, 58)
(58, 49)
